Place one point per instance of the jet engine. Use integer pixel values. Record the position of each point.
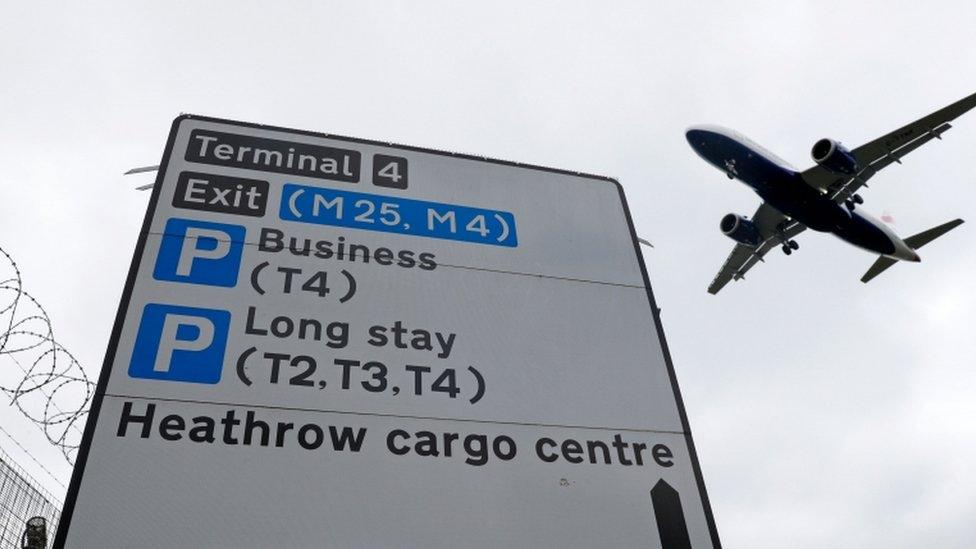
(740, 229)
(832, 155)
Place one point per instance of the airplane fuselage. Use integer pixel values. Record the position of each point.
(782, 187)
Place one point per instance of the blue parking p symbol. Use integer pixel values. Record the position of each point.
(176, 343)
(200, 252)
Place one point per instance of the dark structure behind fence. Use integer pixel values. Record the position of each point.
(21, 498)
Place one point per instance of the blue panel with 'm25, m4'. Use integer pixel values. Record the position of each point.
(392, 214)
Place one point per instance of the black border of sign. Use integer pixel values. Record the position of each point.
(82, 457)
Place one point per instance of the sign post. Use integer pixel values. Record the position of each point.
(331, 342)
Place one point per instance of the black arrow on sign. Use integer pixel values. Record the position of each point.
(670, 518)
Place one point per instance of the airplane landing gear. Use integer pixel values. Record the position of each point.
(789, 246)
(852, 201)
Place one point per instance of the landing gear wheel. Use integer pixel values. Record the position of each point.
(792, 244)
(850, 204)
(857, 199)
(787, 250)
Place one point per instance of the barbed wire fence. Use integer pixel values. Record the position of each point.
(39, 376)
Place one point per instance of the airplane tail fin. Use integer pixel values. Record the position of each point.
(915, 242)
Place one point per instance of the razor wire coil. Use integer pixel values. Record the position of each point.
(39, 376)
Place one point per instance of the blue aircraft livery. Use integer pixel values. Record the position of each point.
(390, 214)
(177, 343)
(200, 252)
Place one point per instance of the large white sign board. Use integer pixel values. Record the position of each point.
(329, 342)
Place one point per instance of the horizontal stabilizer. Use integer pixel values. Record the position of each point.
(915, 242)
(879, 267)
(924, 237)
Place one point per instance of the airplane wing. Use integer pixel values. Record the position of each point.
(875, 155)
(773, 227)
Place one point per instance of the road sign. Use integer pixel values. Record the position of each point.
(333, 342)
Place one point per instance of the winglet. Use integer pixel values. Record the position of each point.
(915, 242)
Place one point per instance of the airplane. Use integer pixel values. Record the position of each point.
(823, 198)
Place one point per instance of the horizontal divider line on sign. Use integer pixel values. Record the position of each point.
(396, 416)
(467, 267)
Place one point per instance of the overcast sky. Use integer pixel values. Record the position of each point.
(826, 412)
